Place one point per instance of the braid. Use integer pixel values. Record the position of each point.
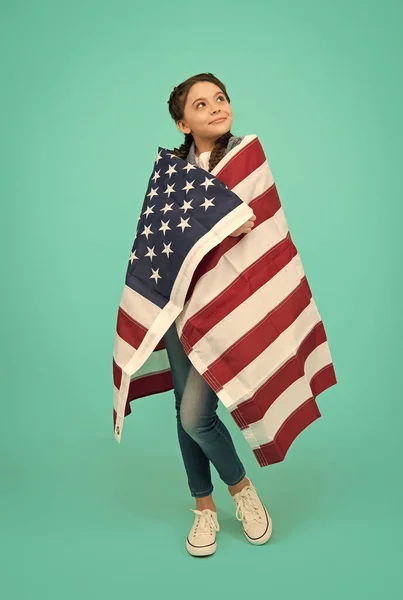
(218, 150)
(184, 148)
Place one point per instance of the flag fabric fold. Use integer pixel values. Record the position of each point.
(242, 305)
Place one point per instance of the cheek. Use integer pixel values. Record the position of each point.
(198, 120)
(194, 121)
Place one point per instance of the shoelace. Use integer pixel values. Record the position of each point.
(247, 508)
(205, 523)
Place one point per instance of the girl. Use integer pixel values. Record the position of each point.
(200, 107)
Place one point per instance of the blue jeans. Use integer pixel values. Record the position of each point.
(203, 437)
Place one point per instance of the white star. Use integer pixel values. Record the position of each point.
(153, 193)
(207, 182)
(186, 205)
(171, 169)
(156, 175)
(150, 253)
(188, 167)
(184, 223)
(170, 189)
(172, 155)
(149, 211)
(133, 257)
(155, 275)
(158, 158)
(207, 203)
(164, 227)
(147, 231)
(166, 208)
(189, 186)
(167, 249)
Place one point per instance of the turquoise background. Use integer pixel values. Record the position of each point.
(83, 110)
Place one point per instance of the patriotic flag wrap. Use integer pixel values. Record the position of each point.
(242, 305)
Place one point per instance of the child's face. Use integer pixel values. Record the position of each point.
(205, 103)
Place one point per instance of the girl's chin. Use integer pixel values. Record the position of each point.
(220, 128)
(217, 130)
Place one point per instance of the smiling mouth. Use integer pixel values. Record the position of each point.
(218, 120)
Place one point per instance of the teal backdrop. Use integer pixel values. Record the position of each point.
(84, 90)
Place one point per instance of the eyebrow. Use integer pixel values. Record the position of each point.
(216, 94)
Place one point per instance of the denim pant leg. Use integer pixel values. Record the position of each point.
(203, 437)
(197, 465)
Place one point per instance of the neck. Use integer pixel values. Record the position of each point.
(203, 144)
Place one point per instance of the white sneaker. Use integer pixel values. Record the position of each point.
(256, 521)
(201, 540)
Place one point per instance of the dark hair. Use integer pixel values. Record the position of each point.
(176, 105)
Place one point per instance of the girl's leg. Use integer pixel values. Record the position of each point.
(196, 463)
(201, 422)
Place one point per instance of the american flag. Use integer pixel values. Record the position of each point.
(243, 307)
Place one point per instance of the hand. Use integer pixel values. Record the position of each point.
(245, 228)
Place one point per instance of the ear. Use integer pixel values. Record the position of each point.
(183, 127)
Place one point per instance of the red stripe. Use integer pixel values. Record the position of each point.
(275, 451)
(260, 337)
(264, 207)
(248, 282)
(147, 385)
(244, 162)
(323, 380)
(130, 330)
(255, 408)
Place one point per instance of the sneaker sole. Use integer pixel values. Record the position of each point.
(201, 550)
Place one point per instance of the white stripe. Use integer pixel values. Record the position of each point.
(122, 351)
(246, 316)
(291, 399)
(255, 184)
(319, 357)
(241, 256)
(251, 378)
